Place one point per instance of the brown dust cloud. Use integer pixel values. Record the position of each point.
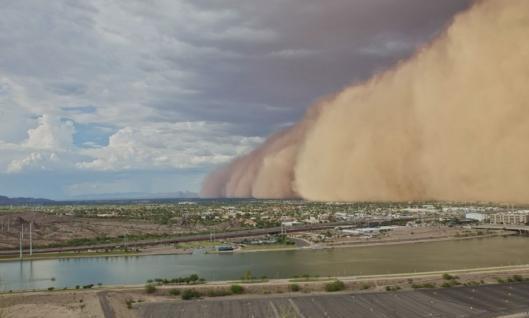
(450, 123)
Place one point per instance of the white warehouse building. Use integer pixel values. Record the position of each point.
(476, 216)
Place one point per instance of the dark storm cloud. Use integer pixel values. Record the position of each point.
(301, 50)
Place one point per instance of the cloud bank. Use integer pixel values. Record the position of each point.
(450, 123)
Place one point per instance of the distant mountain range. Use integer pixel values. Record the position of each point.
(7, 201)
(135, 196)
(113, 197)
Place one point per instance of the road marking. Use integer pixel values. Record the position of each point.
(296, 308)
(274, 309)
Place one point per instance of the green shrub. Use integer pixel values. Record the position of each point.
(189, 294)
(237, 289)
(189, 280)
(517, 278)
(51, 288)
(150, 288)
(218, 293)
(425, 285)
(174, 292)
(335, 286)
(294, 287)
(450, 283)
(392, 288)
(447, 276)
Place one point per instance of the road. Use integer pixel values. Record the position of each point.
(108, 312)
(516, 228)
(206, 237)
(480, 301)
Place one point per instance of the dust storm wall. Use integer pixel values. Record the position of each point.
(450, 123)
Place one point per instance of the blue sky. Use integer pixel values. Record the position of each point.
(100, 97)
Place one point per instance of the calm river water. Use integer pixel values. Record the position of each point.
(280, 264)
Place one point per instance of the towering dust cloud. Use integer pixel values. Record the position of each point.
(451, 123)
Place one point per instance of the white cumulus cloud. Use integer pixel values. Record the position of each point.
(51, 133)
(179, 145)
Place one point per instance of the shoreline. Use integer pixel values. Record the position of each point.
(39, 257)
(490, 270)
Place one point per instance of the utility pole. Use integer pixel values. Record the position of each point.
(30, 240)
(20, 241)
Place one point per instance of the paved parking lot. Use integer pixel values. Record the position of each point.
(481, 301)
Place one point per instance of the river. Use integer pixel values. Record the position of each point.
(405, 258)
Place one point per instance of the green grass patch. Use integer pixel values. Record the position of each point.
(335, 286)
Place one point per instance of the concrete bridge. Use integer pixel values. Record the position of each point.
(521, 229)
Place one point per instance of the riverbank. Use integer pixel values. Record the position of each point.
(189, 248)
(124, 301)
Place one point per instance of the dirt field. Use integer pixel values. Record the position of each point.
(51, 305)
(49, 229)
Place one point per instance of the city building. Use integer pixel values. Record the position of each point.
(510, 218)
(480, 217)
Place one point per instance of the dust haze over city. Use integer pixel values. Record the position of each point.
(295, 158)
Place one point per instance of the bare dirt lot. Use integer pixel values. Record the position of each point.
(51, 305)
(54, 229)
